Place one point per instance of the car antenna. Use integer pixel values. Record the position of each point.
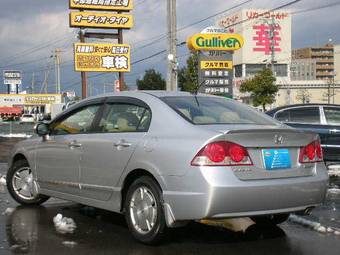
(196, 92)
(198, 88)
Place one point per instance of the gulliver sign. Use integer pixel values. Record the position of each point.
(216, 42)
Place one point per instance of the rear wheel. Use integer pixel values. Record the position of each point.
(144, 211)
(274, 219)
(20, 184)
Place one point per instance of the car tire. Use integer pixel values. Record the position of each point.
(144, 211)
(20, 184)
(275, 219)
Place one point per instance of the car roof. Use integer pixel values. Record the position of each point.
(155, 93)
(299, 105)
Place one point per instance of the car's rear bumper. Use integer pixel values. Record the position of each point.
(218, 193)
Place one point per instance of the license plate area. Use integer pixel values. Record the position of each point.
(276, 159)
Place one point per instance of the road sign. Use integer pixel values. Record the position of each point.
(101, 20)
(12, 77)
(113, 5)
(93, 57)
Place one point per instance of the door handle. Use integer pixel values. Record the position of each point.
(334, 131)
(74, 144)
(122, 143)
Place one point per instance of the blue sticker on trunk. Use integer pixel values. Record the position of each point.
(275, 159)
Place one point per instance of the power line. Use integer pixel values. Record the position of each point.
(32, 50)
(162, 37)
(24, 63)
(316, 8)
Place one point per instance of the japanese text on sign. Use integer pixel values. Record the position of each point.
(91, 57)
(40, 99)
(263, 39)
(216, 65)
(112, 5)
(100, 20)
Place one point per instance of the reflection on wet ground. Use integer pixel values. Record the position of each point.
(30, 230)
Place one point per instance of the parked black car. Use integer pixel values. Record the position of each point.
(320, 118)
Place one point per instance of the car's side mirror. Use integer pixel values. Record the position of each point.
(42, 129)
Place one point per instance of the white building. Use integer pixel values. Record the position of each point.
(337, 63)
(261, 29)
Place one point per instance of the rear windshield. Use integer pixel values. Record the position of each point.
(204, 110)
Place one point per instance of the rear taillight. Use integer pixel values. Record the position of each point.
(311, 153)
(222, 154)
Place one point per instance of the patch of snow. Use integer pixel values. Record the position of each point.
(3, 180)
(322, 229)
(70, 244)
(334, 171)
(64, 225)
(15, 135)
(334, 191)
(8, 211)
(330, 230)
(313, 225)
(307, 223)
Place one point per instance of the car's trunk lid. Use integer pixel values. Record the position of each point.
(259, 140)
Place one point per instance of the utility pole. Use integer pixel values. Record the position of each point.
(33, 82)
(172, 41)
(121, 75)
(83, 74)
(45, 83)
(57, 70)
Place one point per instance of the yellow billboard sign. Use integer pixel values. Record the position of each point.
(216, 64)
(42, 99)
(110, 5)
(94, 57)
(216, 42)
(100, 20)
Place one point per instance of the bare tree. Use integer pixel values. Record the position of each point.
(303, 96)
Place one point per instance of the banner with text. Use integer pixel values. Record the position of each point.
(101, 20)
(92, 57)
(110, 5)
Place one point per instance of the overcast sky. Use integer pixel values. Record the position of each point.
(31, 30)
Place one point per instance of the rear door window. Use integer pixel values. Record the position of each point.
(332, 115)
(307, 115)
(282, 116)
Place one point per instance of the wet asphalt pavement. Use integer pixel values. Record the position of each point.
(30, 230)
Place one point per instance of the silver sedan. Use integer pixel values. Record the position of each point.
(164, 159)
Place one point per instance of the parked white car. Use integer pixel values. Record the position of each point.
(27, 118)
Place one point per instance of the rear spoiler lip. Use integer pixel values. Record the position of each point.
(275, 130)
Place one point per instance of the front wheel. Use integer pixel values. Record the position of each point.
(144, 211)
(271, 219)
(20, 184)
